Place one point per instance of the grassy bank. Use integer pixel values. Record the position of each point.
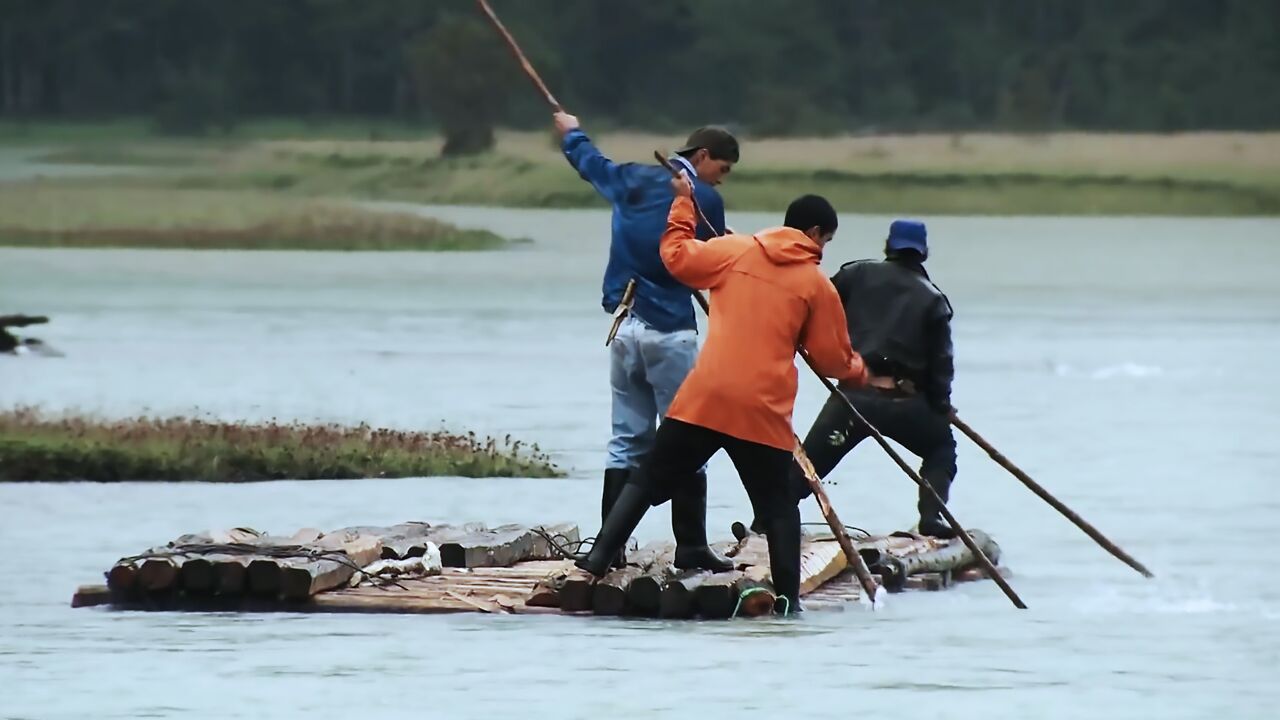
(34, 447)
(102, 214)
(1062, 173)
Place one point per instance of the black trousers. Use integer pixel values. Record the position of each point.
(680, 449)
(907, 419)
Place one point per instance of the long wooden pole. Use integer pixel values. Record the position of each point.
(519, 55)
(1045, 495)
(983, 560)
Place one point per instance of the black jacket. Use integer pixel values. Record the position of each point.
(900, 322)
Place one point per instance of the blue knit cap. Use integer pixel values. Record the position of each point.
(908, 235)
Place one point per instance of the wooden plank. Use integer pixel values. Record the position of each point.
(819, 563)
(91, 595)
(122, 580)
(501, 547)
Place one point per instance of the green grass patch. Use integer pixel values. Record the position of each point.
(89, 214)
(39, 448)
(980, 173)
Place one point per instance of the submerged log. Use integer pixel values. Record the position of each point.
(22, 320)
(501, 547)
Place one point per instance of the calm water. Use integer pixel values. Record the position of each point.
(1128, 364)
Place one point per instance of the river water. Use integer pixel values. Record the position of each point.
(1128, 364)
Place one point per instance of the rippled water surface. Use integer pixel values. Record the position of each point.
(1128, 364)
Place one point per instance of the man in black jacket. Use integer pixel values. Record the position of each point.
(900, 322)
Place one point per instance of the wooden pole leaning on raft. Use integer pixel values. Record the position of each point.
(1045, 495)
(982, 558)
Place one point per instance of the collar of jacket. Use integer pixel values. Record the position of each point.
(685, 164)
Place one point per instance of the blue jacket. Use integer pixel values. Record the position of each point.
(641, 196)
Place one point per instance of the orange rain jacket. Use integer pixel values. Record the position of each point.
(769, 296)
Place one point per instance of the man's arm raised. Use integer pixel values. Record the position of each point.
(606, 176)
(698, 264)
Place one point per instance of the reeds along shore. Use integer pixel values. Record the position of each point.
(95, 215)
(36, 447)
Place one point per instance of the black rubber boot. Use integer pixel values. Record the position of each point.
(931, 521)
(628, 509)
(689, 525)
(784, 559)
(614, 480)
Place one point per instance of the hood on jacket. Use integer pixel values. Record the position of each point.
(786, 246)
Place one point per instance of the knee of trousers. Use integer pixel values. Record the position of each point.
(657, 490)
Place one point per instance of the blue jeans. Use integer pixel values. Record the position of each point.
(646, 367)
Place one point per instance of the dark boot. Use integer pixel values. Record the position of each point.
(689, 525)
(784, 558)
(628, 509)
(614, 480)
(932, 523)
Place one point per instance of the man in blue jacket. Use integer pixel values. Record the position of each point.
(657, 341)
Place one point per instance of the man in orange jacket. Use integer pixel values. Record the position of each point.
(770, 297)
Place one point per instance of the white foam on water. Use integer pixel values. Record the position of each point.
(1109, 372)
(1129, 369)
(1191, 601)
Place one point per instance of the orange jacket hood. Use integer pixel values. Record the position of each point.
(784, 246)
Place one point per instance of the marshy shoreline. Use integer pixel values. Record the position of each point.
(36, 447)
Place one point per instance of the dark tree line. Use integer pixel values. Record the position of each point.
(767, 66)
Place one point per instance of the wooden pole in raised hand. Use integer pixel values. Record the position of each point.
(520, 58)
(1036, 488)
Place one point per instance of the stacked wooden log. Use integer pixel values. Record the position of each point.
(244, 567)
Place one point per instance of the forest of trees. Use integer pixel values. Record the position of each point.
(770, 67)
